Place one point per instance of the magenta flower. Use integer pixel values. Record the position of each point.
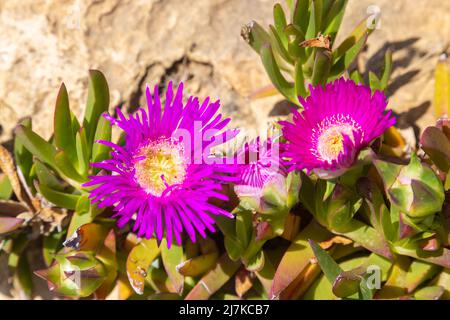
(258, 164)
(164, 177)
(338, 120)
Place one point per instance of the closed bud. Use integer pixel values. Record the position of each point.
(414, 189)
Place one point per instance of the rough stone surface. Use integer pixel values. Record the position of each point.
(135, 42)
(148, 41)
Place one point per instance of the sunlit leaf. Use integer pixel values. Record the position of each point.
(172, 258)
(138, 262)
(97, 103)
(63, 136)
(214, 279)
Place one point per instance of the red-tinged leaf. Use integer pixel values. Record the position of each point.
(437, 147)
(107, 255)
(121, 291)
(88, 237)
(198, 265)
(267, 91)
(297, 258)
(395, 285)
(418, 273)
(11, 208)
(243, 282)
(8, 224)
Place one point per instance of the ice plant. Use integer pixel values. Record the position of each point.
(338, 120)
(163, 177)
(258, 163)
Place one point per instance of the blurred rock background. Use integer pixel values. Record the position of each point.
(134, 42)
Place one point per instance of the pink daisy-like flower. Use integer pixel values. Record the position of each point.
(258, 163)
(338, 121)
(164, 177)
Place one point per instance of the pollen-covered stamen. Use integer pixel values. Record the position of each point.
(329, 136)
(160, 165)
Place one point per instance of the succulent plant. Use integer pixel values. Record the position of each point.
(300, 47)
(301, 229)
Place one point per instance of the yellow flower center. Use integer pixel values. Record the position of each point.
(162, 165)
(330, 144)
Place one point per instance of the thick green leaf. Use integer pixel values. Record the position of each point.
(198, 265)
(273, 71)
(374, 82)
(23, 157)
(312, 30)
(278, 46)
(334, 18)
(296, 36)
(60, 199)
(6, 189)
(418, 273)
(83, 151)
(63, 134)
(357, 77)
(346, 284)
(172, 258)
(348, 58)
(279, 18)
(66, 168)
(244, 227)
(139, 260)
(358, 32)
(368, 237)
(97, 103)
(429, 293)
(84, 213)
(301, 15)
(300, 89)
(214, 279)
(46, 176)
(74, 274)
(23, 277)
(255, 35)
(51, 244)
(329, 267)
(385, 76)
(101, 152)
(322, 65)
(40, 148)
(322, 288)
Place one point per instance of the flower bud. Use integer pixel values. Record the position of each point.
(414, 189)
